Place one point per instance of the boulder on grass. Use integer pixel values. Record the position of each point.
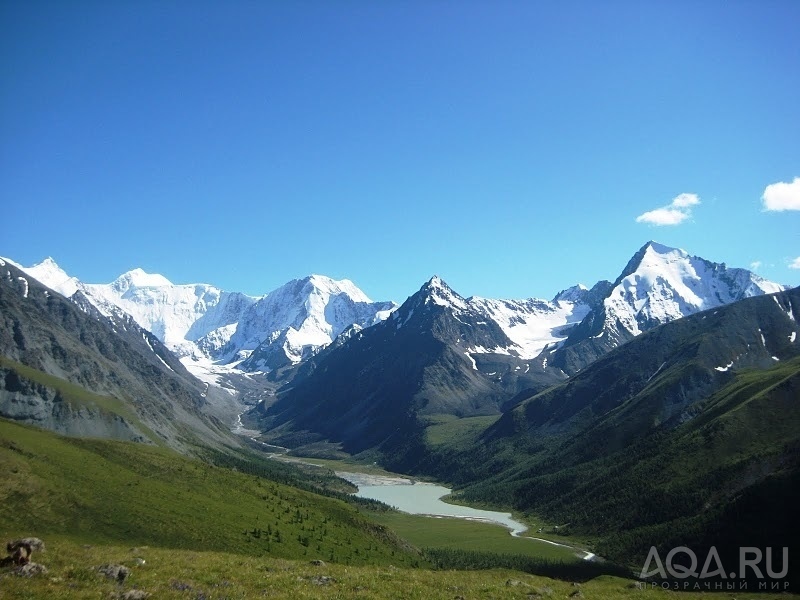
(30, 569)
(116, 572)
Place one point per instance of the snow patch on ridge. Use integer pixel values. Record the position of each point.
(789, 312)
(163, 362)
(658, 371)
(25, 287)
(472, 360)
(482, 350)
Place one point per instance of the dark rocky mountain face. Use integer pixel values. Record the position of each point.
(70, 367)
(432, 356)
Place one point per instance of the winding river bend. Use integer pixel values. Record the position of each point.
(419, 498)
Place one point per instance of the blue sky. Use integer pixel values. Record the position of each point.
(507, 146)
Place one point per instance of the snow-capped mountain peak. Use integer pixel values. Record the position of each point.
(50, 274)
(299, 318)
(521, 328)
(663, 249)
(438, 292)
(178, 315)
(661, 284)
(576, 293)
(140, 279)
(326, 285)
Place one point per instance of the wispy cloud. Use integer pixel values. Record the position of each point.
(795, 264)
(675, 213)
(755, 265)
(782, 196)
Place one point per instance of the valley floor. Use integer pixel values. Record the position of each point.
(425, 531)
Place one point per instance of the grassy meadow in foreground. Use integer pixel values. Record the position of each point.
(184, 574)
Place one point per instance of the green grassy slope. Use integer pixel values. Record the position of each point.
(101, 491)
(727, 476)
(189, 575)
(455, 433)
(212, 532)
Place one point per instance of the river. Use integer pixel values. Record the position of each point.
(419, 498)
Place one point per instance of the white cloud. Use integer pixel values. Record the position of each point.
(675, 213)
(782, 196)
(685, 201)
(795, 264)
(663, 216)
(755, 265)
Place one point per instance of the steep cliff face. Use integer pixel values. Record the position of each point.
(27, 401)
(82, 371)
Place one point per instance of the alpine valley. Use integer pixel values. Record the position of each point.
(660, 409)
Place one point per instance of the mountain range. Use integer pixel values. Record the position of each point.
(202, 321)
(443, 355)
(437, 354)
(661, 406)
(293, 322)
